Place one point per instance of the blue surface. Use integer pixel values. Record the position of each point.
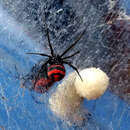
(111, 111)
(18, 111)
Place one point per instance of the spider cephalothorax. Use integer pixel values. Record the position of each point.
(55, 64)
(56, 59)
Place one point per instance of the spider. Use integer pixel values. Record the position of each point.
(53, 70)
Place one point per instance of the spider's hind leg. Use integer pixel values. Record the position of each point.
(68, 63)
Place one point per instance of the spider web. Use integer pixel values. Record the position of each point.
(22, 30)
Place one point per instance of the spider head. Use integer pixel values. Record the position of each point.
(56, 59)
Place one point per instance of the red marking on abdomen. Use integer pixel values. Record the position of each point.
(43, 85)
(56, 72)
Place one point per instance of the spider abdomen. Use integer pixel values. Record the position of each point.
(56, 72)
(42, 85)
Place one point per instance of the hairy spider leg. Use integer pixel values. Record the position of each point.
(71, 55)
(73, 68)
(41, 54)
(50, 46)
(72, 45)
(48, 37)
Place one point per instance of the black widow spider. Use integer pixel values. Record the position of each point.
(54, 67)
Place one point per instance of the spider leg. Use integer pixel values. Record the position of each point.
(48, 37)
(72, 55)
(41, 54)
(72, 45)
(68, 63)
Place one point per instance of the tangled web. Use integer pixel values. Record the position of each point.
(106, 45)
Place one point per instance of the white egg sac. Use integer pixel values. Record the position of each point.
(66, 101)
(94, 84)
